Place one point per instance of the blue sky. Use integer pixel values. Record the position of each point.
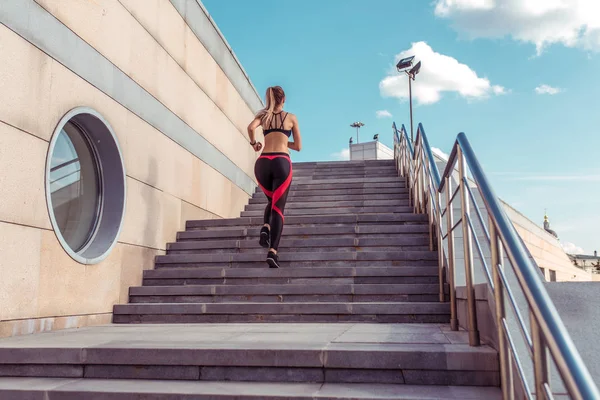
(482, 62)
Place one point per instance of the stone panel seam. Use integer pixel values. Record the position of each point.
(141, 246)
(28, 33)
(23, 130)
(26, 225)
(147, 184)
(185, 72)
(202, 208)
(56, 316)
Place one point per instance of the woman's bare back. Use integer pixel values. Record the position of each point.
(277, 141)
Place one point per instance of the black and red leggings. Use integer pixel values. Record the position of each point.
(274, 175)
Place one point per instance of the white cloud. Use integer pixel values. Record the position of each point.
(573, 23)
(571, 248)
(499, 90)
(341, 155)
(546, 89)
(439, 73)
(446, 7)
(383, 114)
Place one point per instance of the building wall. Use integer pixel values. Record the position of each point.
(546, 249)
(371, 151)
(163, 77)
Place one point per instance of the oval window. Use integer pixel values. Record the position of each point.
(85, 185)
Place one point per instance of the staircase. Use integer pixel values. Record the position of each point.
(353, 313)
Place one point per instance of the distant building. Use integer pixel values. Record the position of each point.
(588, 263)
(547, 226)
(374, 150)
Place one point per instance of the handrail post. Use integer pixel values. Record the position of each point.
(417, 186)
(409, 179)
(422, 180)
(451, 278)
(540, 359)
(505, 378)
(468, 253)
(440, 244)
(423, 191)
(431, 219)
(401, 159)
(419, 174)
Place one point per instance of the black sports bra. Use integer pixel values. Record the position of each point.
(286, 132)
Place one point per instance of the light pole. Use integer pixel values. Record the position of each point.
(357, 125)
(403, 66)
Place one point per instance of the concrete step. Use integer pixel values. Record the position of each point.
(320, 232)
(381, 312)
(321, 176)
(293, 204)
(260, 198)
(287, 243)
(317, 249)
(306, 276)
(335, 211)
(342, 177)
(287, 258)
(297, 264)
(332, 173)
(121, 389)
(374, 169)
(346, 184)
(344, 164)
(377, 219)
(277, 298)
(338, 353)
(285, 293)
(400, 192)
(348, 180)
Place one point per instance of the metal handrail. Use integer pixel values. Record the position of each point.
(421, 136)
(547, 331)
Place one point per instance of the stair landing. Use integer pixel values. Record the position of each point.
(300, 360)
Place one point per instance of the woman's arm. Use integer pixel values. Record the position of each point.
(297, 143)
(253, 125)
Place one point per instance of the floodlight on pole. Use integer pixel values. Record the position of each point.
(405, 63)
(357, 125)
(403, 66)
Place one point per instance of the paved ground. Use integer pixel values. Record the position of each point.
(222, 337)
(93, 389)
(194, 335)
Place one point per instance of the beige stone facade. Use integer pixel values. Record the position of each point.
(546, 251)
(149, 45)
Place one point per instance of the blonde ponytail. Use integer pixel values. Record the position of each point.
(274, 97)
(268, 116)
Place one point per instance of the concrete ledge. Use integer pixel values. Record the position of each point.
(485, 305)
(37, 325)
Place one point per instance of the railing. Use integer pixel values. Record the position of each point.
(546, 333)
